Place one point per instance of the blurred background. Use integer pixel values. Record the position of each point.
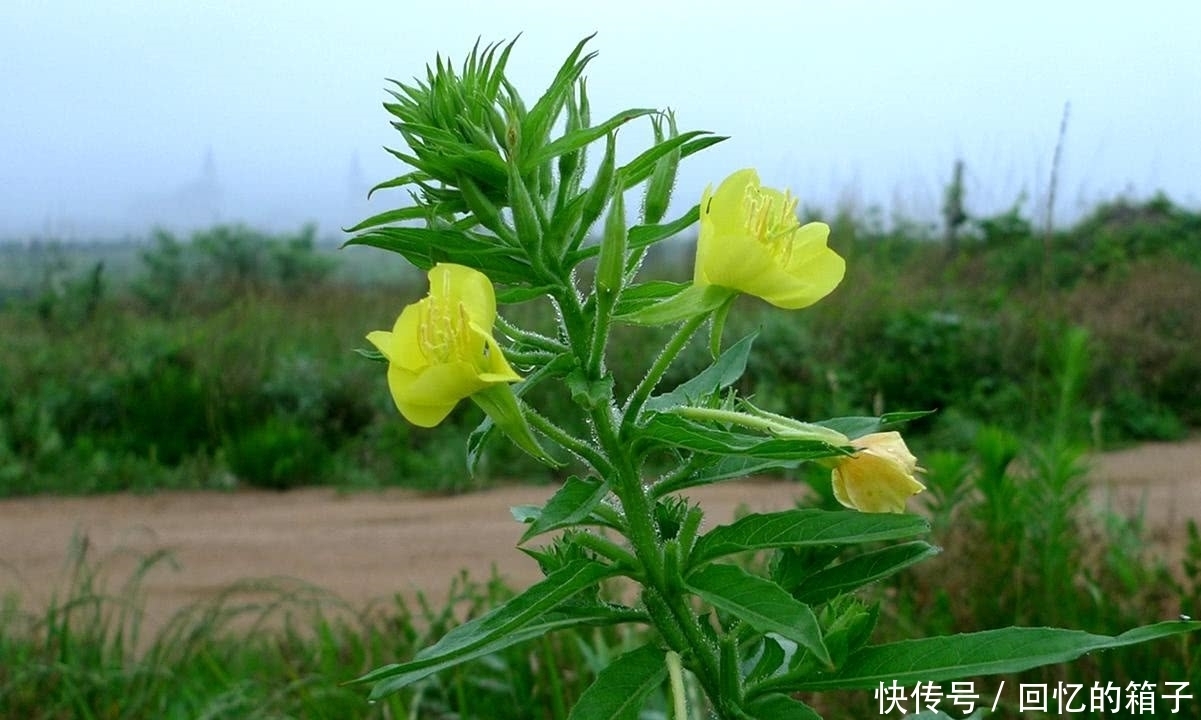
(123, 114)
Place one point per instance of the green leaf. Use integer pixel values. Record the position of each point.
(391, 216)
(476, 442)
(518, 295)
(992, 652)
(589, 393)
(862, 570)
(571, 504)
(642, 295)
(693, 300)
(425, 247)
(507, 625)
(718, 326)
(759, 603)
(536, 125)
(721, 374)
(780, 707)
(644, 235)
(620, 690)
(677, 431)
(722, 468)
(771, 658)
(810, 526)
(478, 439)
(399, 181)
(371, 354)
(500, 404)
(641, 167)
(579, 138)
(854, 427)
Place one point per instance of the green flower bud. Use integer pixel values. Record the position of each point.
(610, 270)
(663, 179)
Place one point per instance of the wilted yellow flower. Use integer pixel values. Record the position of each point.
(878, 478)
(751, 241)
(441, 348)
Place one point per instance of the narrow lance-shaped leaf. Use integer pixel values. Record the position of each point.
(854, 427)
(565, 618)
(569, 505)
(643, 235)
(861, 570)
(501, 624)
(761, 604)
(780, 707)
(693, 300)
(392, 216)
(425, 247)
(992, 652)
(642, 295)
(537, 123)
(641, 167)
(500, 404)
(677, 431)
(571, 164)
(621, 689)
(810, 526)
(721, 374)
(577, 139)
(718, 469)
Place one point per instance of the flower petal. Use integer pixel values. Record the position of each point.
(470, 288)
(422, 414)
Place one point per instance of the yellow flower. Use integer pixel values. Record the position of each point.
(878, 478)
(441, 348)
(751, 241)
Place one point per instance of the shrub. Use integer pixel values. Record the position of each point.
(280, 454)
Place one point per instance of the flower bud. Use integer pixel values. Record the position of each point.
(878, 478)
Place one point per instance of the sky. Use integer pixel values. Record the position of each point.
(116, 115)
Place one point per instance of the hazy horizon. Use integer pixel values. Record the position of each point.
(127, 113)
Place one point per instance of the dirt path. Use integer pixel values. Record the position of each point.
(368, 546)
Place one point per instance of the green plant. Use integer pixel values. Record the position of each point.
(279, 454)
(503, 200)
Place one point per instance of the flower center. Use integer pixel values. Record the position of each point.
(771, 220)
(444, 336)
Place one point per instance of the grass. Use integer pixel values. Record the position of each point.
(264, 649)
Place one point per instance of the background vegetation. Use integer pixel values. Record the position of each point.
(226, 360)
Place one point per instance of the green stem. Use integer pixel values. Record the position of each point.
(610, 550)
(569, 442)
(600, 332)
(528, 359)
(706, 657)
(532, 339)
(680, 476)
(676, 673)
(669, 610)
(670, 351)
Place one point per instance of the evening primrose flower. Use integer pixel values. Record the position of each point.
(441, 348)
(751, 241)
(879, 477)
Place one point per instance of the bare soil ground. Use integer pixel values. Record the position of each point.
(369, 546)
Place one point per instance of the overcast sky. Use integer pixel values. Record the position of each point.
(109, 108)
